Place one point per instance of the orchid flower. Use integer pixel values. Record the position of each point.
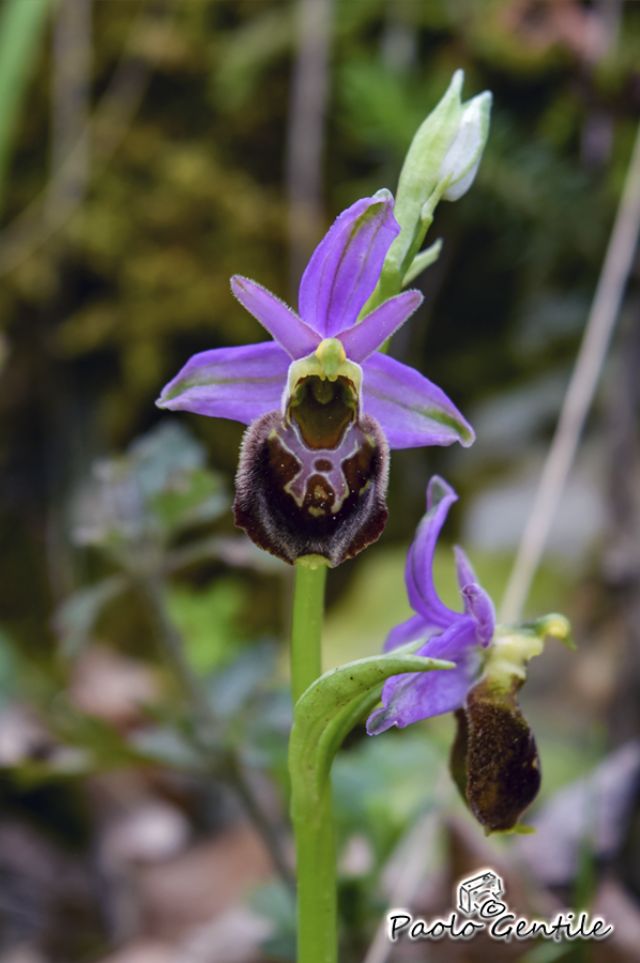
(459, 636)
(494, 758)
(323, 404)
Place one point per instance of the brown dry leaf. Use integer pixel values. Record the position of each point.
(151, 831)
(614, 904)
(22, 736)
(568, 23)
(196, 886)
(144, 951)
(234, 937)
(112, 687)
(22, 954)
(592, 812)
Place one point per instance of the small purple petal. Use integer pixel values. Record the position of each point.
(364, 338)
(281, 322)
(419, 568)
(477, 602)
(464, 568)
(410, 631)
(420, 695)
(411, 410)
(241, 383)
(345, 267)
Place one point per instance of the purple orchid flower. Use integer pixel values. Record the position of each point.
(459, 637)
(323, 404)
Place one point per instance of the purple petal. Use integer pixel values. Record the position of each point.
(419, 695)
(363, 339)
(477, 602)
(410, 631)
(419, 568)
(464, 569)
(345, 267)
(281, 322)
(411, 410)
(238, 383)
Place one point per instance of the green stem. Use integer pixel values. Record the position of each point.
(306, 629)
(317, 911)
(316, 873)
(323, 716)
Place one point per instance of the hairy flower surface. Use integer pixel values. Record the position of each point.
(323, 404)
(460, 637)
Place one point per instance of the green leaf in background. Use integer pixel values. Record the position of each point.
(189, 500)
(381, 107)
(381, 785)
(244, 680)
(157, 489)
(208, 621)
(276, 903)
(21, 25)
(8, 670)
(75, 619)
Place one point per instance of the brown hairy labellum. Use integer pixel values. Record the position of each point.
(494, 759)
(313, 481)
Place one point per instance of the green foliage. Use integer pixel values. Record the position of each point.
(208, 621)
(9, 672)
(276, 903)
(78, 614)
(98, 315)
(151, 494)
(21, 27)
(382, 785)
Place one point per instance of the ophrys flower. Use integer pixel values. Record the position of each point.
(322, 402)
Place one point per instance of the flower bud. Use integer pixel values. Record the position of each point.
(441, 162)
(461, 162)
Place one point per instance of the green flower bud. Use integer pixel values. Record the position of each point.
(462, 160)
(442, 162)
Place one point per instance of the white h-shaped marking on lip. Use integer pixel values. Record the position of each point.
(308, 459)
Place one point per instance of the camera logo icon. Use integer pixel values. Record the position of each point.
(476, 890)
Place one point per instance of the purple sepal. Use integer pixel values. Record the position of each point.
(364, 338)
(457, 636)
(477, 602)
(238, 383)
(345, 267)
(421, 589)
(410, 631)
(411, 410)
(276, 317)
(420, 695)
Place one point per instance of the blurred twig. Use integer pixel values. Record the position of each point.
(70, 109)
(70, 100)
(309, 90)
(593, 349)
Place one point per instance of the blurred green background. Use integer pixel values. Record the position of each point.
(148, 150)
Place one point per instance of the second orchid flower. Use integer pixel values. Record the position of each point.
(494, 759)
